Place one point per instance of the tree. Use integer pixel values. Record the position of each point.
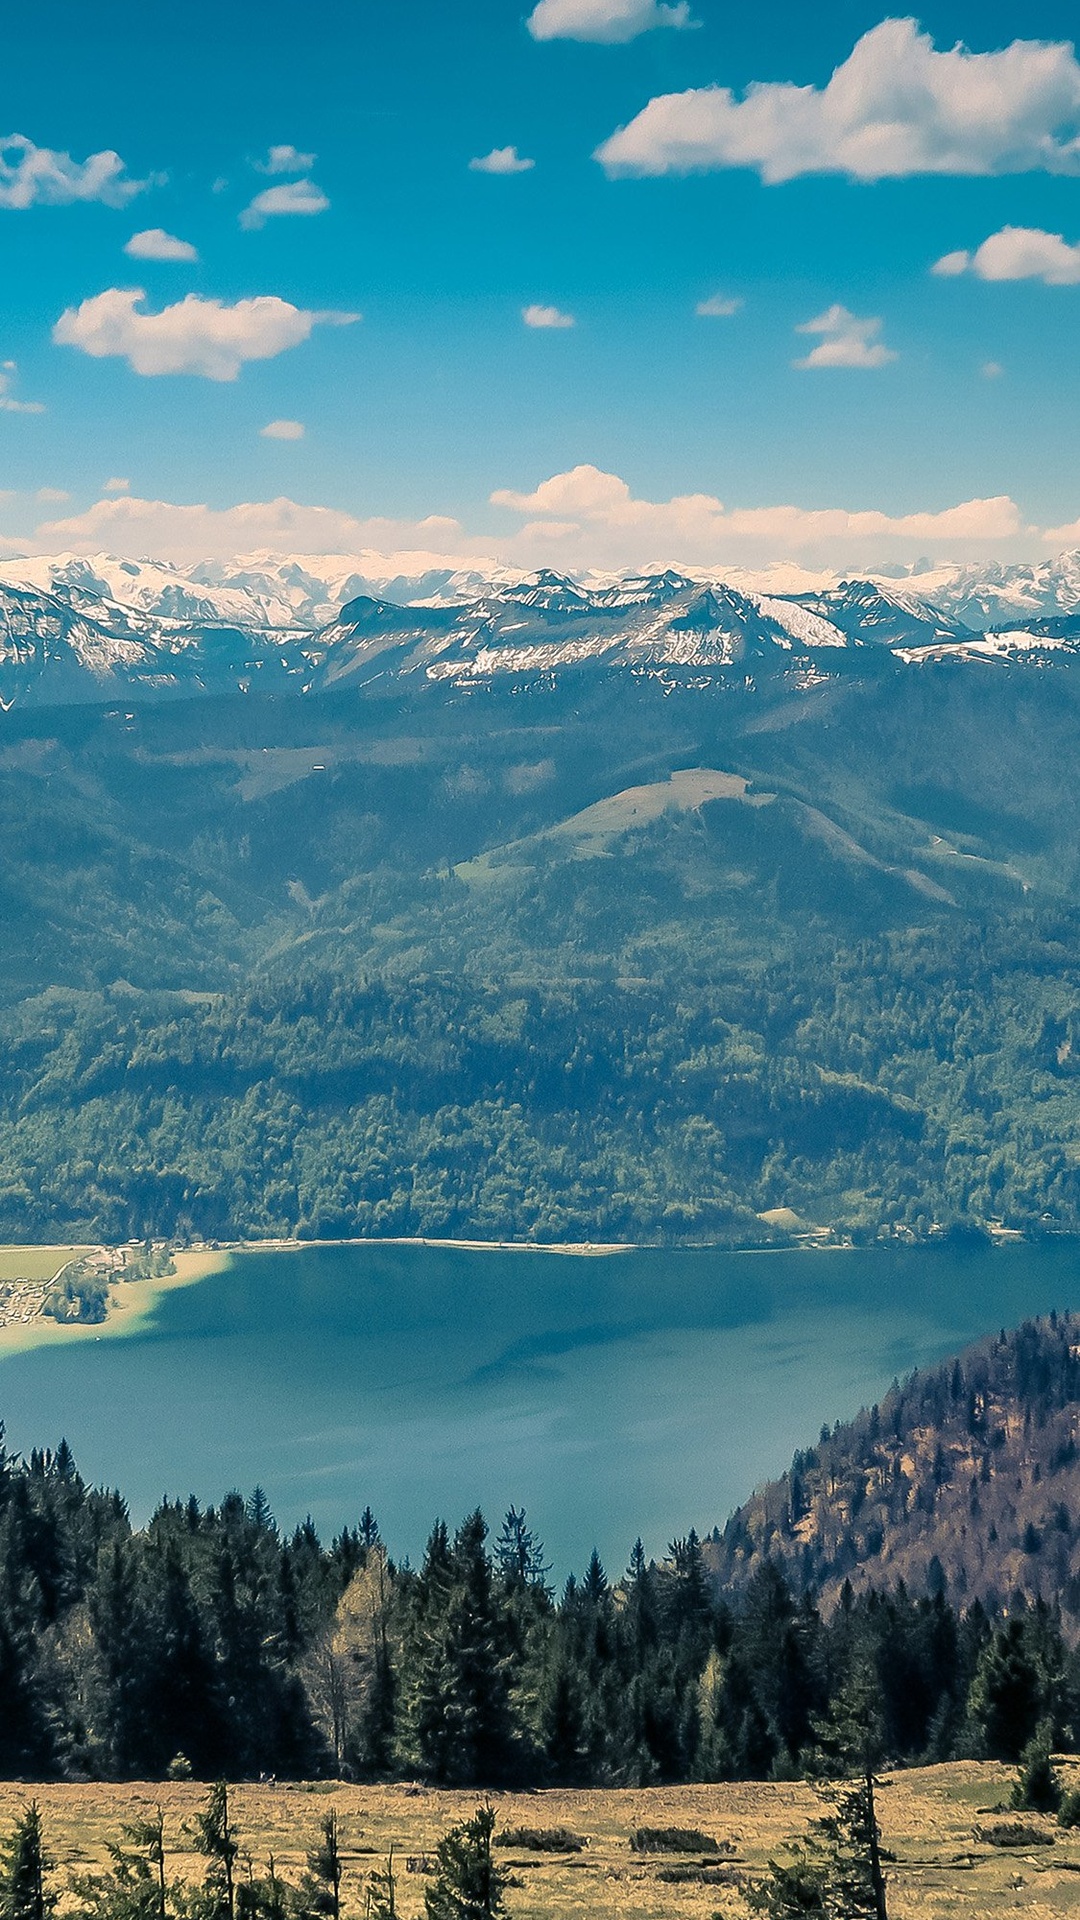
(215, 1838)
(1008, 1696)
(382, 1892)
(25, 1864)
(1038, 1789)
(320, 1895)
(836, 1872)
(468, 1883)
(135, 1888)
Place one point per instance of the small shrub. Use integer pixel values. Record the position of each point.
(1069, 1810)
(672, 1840)
(541, 1839)
(1014, 1833)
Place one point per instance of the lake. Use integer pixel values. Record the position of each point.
(641, 1392)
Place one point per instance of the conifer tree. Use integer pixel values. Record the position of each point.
(215, 1838)
(24, 1866)
(468, 1882)
(320, 1895)
(382, 1892)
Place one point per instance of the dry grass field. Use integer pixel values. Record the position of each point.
(928, 1817)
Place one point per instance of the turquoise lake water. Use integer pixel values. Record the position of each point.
(642, 1392)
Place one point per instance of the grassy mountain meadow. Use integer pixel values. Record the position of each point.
(606, 954)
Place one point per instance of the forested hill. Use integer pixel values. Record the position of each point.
(965, 1481)
(573, 955)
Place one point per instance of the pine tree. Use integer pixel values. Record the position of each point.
(468, 1882)
(25, 1865)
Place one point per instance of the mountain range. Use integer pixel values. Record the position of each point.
(82, 629)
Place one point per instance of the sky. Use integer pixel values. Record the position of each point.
(575, 283)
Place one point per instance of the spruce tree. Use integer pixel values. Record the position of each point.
(24, 1866)
(381, 1901)
(215, 1838)
(468, 1883)
(320, 1895)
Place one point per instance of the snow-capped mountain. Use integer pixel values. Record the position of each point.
(995, 595)
(76, 628)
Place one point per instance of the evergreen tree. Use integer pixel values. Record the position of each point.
(24, 1867)
(381, 1903)
(1038, 1789)
(320, 1895)
(468, 1883)
(215, 1838)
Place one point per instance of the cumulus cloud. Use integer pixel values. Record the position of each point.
(719, 306)
(156, 244)
(283, 430)
(194, 336)
(135, 528)
(295, 196)
(1017, 253)
(607, 21)
(582, 518)
(502, 160)
(33, 176)
(51, 496)
(117, 485)
(540, 316)
(592, 514)
(896, 106)
(285, 159)
(8, 402)
(845, 341)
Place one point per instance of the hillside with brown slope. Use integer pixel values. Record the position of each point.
(965, 1480)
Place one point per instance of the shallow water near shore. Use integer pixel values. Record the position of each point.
(639, 1393)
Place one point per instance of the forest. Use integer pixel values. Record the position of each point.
(472, 964)
(208, 1643)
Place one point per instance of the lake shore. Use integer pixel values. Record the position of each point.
(131, 1303)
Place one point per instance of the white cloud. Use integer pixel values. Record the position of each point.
(296, 196)
(285, 159)
(156, 244)
(283, 430)
(8, 403)
(896, 106)
(539, 316)
(991, 369)
(194, 336)
(845, 341)
(117, 485)
(951, 264)
(718, 306)
(134, 528)
(1018, 253)
(607, 21)
(51, 496)
(502, 160)
(593, 518)
(33, 176)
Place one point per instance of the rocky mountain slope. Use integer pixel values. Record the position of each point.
(86, 630)
(965, 1481)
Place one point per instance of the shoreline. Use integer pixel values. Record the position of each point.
(131, 1303)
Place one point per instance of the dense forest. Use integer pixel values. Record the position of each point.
(208, 1642)
(474, 963)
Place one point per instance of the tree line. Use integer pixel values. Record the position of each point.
(211, 1642)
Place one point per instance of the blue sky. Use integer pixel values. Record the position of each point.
(926, 391)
